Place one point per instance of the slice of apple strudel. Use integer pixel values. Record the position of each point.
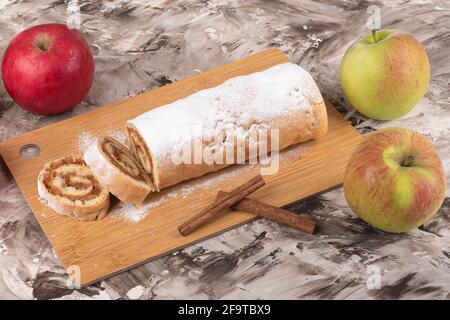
(69, 188)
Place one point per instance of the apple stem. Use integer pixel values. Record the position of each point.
(374, 35)
(408, 161)
(43, 42)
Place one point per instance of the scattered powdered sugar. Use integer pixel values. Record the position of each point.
(117, 134)
(293, 153)
(86, 139)
(133, 214)
(210, 181)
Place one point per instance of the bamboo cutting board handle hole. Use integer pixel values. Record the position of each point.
(29, 151)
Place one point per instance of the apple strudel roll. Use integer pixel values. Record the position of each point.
(116, 167)
(282, 100)
(69, 188)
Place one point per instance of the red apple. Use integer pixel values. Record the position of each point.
(48, 69)
(395, 180)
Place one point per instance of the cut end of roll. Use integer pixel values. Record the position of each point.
(119, 170)
(70, 188)
(140, 150)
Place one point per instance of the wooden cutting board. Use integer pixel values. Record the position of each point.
(91, 251)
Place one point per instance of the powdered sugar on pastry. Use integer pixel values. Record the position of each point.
(283, 98)
(229, 105)
(132, 214)
(86, 139)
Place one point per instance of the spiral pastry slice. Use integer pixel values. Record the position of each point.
(119, 170)
(70, 188)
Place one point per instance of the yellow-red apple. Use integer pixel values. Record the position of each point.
(395, 180)
(386, 76)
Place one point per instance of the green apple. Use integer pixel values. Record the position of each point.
(395, 180)
(385, 74)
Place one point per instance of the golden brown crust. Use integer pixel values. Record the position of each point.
(312, 125)
(321, 120)
(116, 167)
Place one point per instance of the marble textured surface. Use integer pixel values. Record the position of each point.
(139, 45)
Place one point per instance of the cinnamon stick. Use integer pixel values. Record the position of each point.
(273, 213)
(220, 205)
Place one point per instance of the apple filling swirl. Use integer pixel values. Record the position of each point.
(70, 188)
(118, 169)
(139, 148)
